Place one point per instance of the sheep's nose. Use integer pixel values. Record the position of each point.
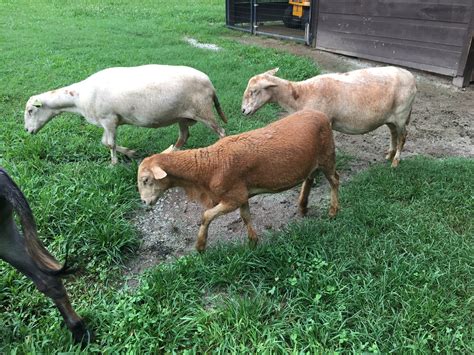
(26, 129)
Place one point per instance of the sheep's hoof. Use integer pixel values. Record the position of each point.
(390, 155)
(130, 153)
(333, 211)
(303, 211)
(395, 163)
(200, 248)
(253, 242)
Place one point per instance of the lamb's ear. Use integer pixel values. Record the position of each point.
(158, 173)
(272, 72)
(170, 149)
(37, 103)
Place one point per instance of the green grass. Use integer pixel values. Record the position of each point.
(393, 272)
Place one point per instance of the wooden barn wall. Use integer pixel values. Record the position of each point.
(423, 34)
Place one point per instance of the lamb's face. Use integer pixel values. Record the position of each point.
(36, 115)
(257, 93)
(151, 182)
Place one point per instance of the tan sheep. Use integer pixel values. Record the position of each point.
(356, 102)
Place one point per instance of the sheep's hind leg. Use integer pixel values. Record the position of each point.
(108, 139)
(393, 142)
(124, 150)
(400, 128)
(212, 124)
(304, 194)
(333, 178)
(183, 133)
(402, 134)
(207, 117)
(247, 218)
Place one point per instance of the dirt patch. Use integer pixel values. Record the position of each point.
(169, 229)
(441, 125)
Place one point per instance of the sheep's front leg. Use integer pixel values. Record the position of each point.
(247, 218)
(207, 218)
(108, 139)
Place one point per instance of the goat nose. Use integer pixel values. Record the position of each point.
(26, 129)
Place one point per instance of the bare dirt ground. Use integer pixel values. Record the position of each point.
(442, 124)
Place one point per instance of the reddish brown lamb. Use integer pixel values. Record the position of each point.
(267, 160)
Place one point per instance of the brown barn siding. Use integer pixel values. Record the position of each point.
(428, 35)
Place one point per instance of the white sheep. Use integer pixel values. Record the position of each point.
(356, 102)
(147, 96)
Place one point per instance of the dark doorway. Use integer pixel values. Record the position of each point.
(239, 14)
(289, 19)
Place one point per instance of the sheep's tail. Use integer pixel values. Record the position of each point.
(415, 89)
(40, 255)
(218, 108)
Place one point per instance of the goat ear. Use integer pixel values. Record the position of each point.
(170, 149)
(272, 72)
(158, 173)
(37, 103)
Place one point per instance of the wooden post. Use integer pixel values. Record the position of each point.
(468, 72)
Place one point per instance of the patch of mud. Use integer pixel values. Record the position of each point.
(442, 124)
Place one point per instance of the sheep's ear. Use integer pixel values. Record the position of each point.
(37, 103)
(158, 173)
(170, 149)
(268, 84)
(272, 72)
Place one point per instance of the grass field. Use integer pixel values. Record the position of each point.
(393, 272)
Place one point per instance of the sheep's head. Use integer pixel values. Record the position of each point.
(151, 183)
(37, 114)
(152, 179)
(258, 92)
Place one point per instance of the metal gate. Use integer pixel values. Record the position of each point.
(239, 14)
(289, 19)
